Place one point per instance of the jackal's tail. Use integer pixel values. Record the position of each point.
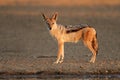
(95, 43)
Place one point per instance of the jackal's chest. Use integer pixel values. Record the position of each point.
(56, 34)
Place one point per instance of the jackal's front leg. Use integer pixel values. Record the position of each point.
(60, 55)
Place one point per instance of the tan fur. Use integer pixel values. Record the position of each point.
(87, 34)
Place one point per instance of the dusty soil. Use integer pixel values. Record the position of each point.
(26, 46)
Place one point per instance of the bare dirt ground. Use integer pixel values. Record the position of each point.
(26, 46)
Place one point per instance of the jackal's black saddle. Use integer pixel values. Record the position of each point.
(75, 28)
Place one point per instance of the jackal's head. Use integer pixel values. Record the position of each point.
(51, 22)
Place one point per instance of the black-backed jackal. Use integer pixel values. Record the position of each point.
(71, 34)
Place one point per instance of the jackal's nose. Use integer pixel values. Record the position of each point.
(49, 28)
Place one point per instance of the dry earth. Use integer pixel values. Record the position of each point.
(26, 46)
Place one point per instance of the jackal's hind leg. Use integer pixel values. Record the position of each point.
(89, 45)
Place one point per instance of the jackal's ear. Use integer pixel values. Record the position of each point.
(55, 15)
(44, 16)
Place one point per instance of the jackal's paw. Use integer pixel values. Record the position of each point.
(60, 61)
(56, 62)
(92, 61)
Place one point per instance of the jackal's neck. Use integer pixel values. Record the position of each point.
(57, 31)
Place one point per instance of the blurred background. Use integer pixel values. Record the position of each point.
(59, 3)
(23, 33)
